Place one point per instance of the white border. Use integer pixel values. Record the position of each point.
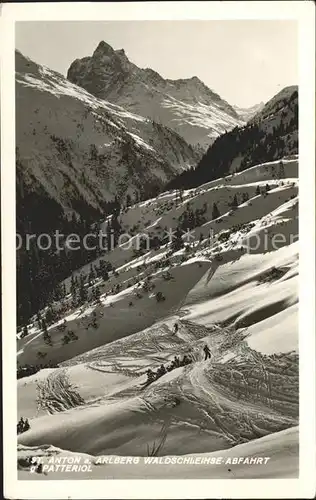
(304, 13)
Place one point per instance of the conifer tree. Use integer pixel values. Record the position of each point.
(184, 224)
(191, 220)
(136, 194)
(58, 292)
(72, 285)
(109, 237)
(83, 294)
(24, 332)
(91, 274)
(116, 228)
(39, 320)
(74, 300)
(234, 204)
(215, 212)
(177, 241)
(97, 294)
(44, 326)
(94, 323)
(281, 170)
(49, 316)
(46, 336)
(103, 272)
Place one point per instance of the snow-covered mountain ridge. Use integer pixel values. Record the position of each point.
(188, 106)
(270, 134)
(247, 113)
(75, 146)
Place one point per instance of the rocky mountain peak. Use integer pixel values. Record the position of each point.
(103, 49)
(186, 105)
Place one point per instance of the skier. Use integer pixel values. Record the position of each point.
(151, 376)
(176, 362)
(26, 425)
(176, 328)
(161, 371)
(207, 352)
(186, 360)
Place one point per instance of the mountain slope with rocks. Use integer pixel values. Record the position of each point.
(78, 157)
(270, 134)
(188, 106)
(80, 149)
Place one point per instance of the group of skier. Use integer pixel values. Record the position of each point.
(175, 363)
(23, 425)
(162, 370)
(27, 370)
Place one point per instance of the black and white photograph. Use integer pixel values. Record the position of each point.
(157, 169)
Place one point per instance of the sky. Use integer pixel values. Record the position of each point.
(245, 62)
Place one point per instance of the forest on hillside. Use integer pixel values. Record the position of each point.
(252, 144)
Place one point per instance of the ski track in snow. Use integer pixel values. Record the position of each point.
(240, 395)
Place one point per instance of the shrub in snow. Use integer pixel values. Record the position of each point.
(160, 297)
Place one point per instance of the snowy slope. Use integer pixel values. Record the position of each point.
(238, 298)
(75, 146)
(281, 449)
(188, 106)
(272, 133)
